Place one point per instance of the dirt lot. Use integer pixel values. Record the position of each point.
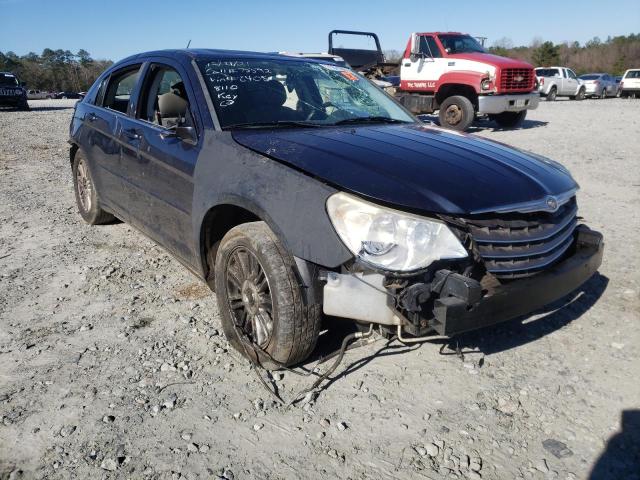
(112, 363)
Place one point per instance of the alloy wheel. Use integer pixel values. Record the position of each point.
(249, 296)
(85, 187)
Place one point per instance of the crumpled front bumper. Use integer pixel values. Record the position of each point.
(453, 315)
(453, 303)
(492, 104)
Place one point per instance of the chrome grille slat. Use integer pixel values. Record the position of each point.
(544, 247)
(528, 265)
(528, 239)
(514, 245)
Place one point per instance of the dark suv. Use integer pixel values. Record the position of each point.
(296, 187)
(12, 93)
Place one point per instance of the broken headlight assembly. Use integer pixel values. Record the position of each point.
(391, 239)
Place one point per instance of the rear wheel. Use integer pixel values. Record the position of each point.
(603, 94)
(456, 113)
(510, 119)
(86, 196)
(553, 93)
(263, 312)
(24, 106)
(580, 95)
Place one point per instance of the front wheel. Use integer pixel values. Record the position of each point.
(263, 311)
(580, 95)
(510, 119)
(603, 94)
(456, 113)
(86, 196)
(551, 96)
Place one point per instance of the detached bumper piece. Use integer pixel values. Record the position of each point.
(461, 306)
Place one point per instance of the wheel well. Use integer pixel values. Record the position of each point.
(216, 223)
(72, 153)
(450, 89)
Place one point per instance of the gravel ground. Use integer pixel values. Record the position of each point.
(112, 363)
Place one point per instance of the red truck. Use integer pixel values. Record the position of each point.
(452, 73)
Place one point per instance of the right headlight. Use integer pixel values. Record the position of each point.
(391, 239)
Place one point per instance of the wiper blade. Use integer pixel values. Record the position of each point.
(279, 123)
(374, 119)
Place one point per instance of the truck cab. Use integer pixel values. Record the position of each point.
(453, 73)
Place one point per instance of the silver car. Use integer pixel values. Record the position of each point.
(599, 85)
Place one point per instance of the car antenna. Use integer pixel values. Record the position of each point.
(188, 43)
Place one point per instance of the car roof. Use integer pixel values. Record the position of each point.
(195, 53)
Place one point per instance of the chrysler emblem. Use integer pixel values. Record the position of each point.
(519, 78)
(552, 204)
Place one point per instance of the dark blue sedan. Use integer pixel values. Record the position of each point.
(296, 188)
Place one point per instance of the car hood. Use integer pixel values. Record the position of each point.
(419, 167)
(490, 59)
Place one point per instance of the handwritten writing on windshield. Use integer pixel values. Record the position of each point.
(225, 76)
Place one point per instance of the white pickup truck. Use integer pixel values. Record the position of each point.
(556, 82)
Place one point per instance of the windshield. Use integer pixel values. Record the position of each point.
(8, 80)
(590, 77)
(461, 44)
(633, 74)
(256, 92)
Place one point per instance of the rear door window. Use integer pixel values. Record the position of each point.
(547, 72)
(120, 87)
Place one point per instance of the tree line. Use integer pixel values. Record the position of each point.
(613, 55)
(54, 70)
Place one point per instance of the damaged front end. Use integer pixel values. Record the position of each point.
(515, 263)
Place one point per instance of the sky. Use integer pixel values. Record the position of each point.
(114, 29)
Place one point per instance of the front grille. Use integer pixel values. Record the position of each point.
(516, 245)
(517, 80)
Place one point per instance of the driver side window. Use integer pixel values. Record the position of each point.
(164, 100)
(571, 74)
(429, 47)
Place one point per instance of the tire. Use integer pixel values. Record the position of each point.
(24, 107)
(510, 119)
(86, 195)
(603, 94)
(456, 113)
(64, 97)
(580, 95)
(260, 299)
(553, 93)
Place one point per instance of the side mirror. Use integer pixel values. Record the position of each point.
(415, 52)
(186, 134)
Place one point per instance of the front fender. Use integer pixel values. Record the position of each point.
(461, 77)
(290, 202)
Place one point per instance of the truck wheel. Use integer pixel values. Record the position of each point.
(510, 119)
(553, 93)
(86, 195)
(263, 312)
(579, 96)
(456, 113)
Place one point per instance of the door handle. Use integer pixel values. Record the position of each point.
(132, 134)
(408, 64)
(92, 117)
